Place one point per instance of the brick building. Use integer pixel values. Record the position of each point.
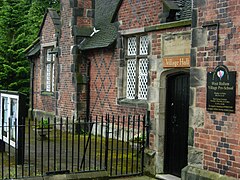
(134, 57)
(215, 44)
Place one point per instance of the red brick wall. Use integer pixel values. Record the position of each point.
(136, 14)
(66, 87)
(105, 62)
(103, 90)
(219, 139)
(103, 85)
(48, 31)
(84, 20)
(43, 102)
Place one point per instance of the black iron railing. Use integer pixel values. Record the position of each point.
(58, 146)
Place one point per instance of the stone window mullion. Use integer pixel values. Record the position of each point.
(136, 78)
(137, 67)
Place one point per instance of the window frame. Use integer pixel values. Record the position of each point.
(137, 57)
(46, 52)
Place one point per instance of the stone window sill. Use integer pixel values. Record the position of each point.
(132, 102)
(46, 93)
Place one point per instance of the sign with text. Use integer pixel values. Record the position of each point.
(12, 121)
(221, 90)
(176, 61)
(9, 119)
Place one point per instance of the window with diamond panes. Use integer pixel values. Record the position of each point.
(137, 67)
(142, 79)
(131, 78)
(143, 45)
(132, 46)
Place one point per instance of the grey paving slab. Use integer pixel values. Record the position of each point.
(167, 177)
(135, 178)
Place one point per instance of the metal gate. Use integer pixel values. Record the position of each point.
(111, 143)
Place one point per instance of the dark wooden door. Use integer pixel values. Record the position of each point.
(176, 127)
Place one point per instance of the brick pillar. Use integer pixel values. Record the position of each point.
(72, 100)
(66, 72)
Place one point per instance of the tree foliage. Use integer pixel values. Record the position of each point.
(19, 26)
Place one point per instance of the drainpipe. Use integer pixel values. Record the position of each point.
(88, 64)
(56, 81)
(32, 86)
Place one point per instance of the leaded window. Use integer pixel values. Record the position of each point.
(132, 46)
(131, 78)
(142, 79)
(143, 45)
(49, 71)
(137, 67)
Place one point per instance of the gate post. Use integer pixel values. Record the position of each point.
(21, 142)
(2, 146)
(147, 126)
(106, 142)
(143, 143)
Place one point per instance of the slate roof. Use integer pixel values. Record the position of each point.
(186, 11)
(105, 37)
(83, 31)
(184, 7)
(105, 12)
(33, 49)
(104, 16)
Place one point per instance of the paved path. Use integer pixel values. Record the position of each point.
(135, 178)
(158, 176)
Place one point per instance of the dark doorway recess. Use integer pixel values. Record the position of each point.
(176, 126)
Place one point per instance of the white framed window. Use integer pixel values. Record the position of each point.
(49, 70)
(137, 67)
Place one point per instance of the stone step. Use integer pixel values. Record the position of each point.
(167, 177)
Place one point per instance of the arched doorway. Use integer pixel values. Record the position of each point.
(176, 123)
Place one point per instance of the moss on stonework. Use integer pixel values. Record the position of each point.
(168, 25)
(31, 45)
(190, 136)
(79, 78)
(45, 93)
(82, 31)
